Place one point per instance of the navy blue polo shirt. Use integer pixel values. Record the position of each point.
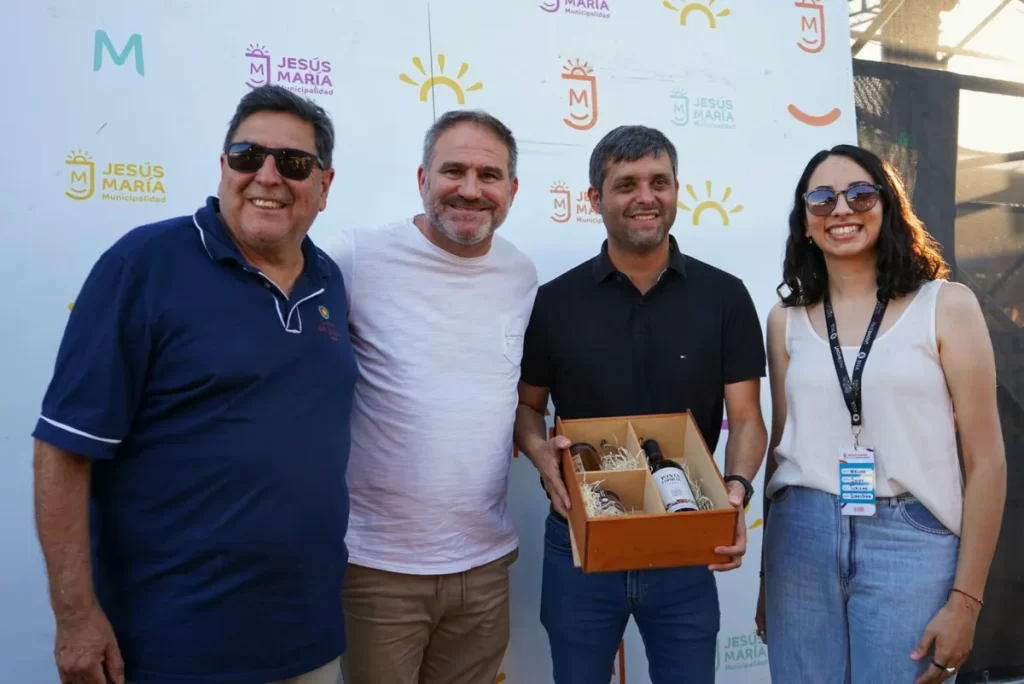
(215, 411)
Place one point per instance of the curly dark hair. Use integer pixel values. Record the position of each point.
(908, 255)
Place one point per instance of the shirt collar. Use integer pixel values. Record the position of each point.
(218, 243)
(604, 268)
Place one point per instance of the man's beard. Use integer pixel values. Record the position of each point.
(641, 240)
(646, 239)
(450, 229)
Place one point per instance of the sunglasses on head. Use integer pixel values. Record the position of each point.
(293, 164)
(860, 197)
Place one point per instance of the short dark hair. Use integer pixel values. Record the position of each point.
(274, 98)
(908, 255)
(629, 143)
(452, 118)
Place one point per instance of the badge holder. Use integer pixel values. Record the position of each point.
(856, 463)
(857, 480)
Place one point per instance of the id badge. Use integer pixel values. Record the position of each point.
(857, 481)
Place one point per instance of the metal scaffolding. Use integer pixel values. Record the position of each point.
(869, 17)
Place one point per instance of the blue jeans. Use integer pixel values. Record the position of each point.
(848, 598)
(676, 612)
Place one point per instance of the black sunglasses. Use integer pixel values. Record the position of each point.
(293, 164)
(861, 197)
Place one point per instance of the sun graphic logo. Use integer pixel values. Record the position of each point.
(700, 206)
(582, 95)
(702, 7)
(83, 175)
(431, 81)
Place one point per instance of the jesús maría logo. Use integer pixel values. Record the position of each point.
(562, 205)
(119, 181)
(704, 111)
(304, 75)
(740, 652)
(582, 87)
(583, 8)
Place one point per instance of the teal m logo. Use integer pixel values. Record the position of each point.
(134, 45)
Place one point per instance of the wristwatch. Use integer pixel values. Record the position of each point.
(749, 488)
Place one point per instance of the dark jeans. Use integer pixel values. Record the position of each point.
(676, 611)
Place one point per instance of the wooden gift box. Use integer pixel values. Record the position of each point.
(649, 537)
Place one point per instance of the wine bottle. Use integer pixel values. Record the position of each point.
(670, 480)
(585, 457)
(610, 500)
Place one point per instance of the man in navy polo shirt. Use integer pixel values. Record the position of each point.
(191, 454)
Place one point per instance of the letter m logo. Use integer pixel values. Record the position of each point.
(134, 45)
(582, 97)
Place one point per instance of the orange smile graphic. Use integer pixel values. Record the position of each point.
(811, 120)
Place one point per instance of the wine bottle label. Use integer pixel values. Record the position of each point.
(674, 490)
(577, 463)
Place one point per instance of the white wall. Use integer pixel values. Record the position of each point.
(756, 60)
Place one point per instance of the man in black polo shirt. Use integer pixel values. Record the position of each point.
(639, 329)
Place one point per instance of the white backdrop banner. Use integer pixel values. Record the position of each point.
(118, 113)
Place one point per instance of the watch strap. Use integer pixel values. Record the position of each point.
(748, 488)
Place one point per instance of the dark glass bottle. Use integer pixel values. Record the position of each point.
(609, 499)
(585, 457)
(670, 479)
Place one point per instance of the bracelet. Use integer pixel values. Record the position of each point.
(964, 593)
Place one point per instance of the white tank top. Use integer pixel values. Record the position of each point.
(907, 412)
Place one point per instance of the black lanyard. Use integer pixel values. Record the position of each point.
(851, 388)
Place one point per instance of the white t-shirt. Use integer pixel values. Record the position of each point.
(439, 340)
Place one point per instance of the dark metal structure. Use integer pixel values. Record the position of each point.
(908, 111)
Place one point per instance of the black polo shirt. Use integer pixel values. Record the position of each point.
(604, 349)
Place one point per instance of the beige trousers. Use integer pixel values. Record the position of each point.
(426, 629)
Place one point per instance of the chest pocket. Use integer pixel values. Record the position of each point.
(513, 330)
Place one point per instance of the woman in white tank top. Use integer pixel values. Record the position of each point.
(875, 551)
